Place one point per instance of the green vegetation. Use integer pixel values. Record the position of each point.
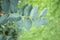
(50, 31)
(30, 20)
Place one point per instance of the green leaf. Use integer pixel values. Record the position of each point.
(4, 19)
(21, 30)
(34, 12)
(22, 9)
(0, 36)
(14, 17)
(8, 37)
(20, 23)
(27, 23)
(13, 6)
(43, 12)
(5, 5)
(44, 21)
(39, 21)
(36, 21)
(27, 10)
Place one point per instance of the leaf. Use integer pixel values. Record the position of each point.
(4, 19)
(20, 23)
(14, 17)
(39, 22)
(22, 9)
(0, 36)
(27, 23)
(36, 21)
(43, 12)
(34, 12)
(20, 26)
(8, 37)
(13, 6)
(27, 10)
(44, 21)
(5, 5)
(21, 30)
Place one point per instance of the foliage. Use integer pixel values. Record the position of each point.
(52, 30)
(13, 21)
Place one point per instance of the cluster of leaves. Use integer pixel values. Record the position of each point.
(50, 32)
(11, 24)
(22, 20)
(9, 5)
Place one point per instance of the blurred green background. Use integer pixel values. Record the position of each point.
(46, 32)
